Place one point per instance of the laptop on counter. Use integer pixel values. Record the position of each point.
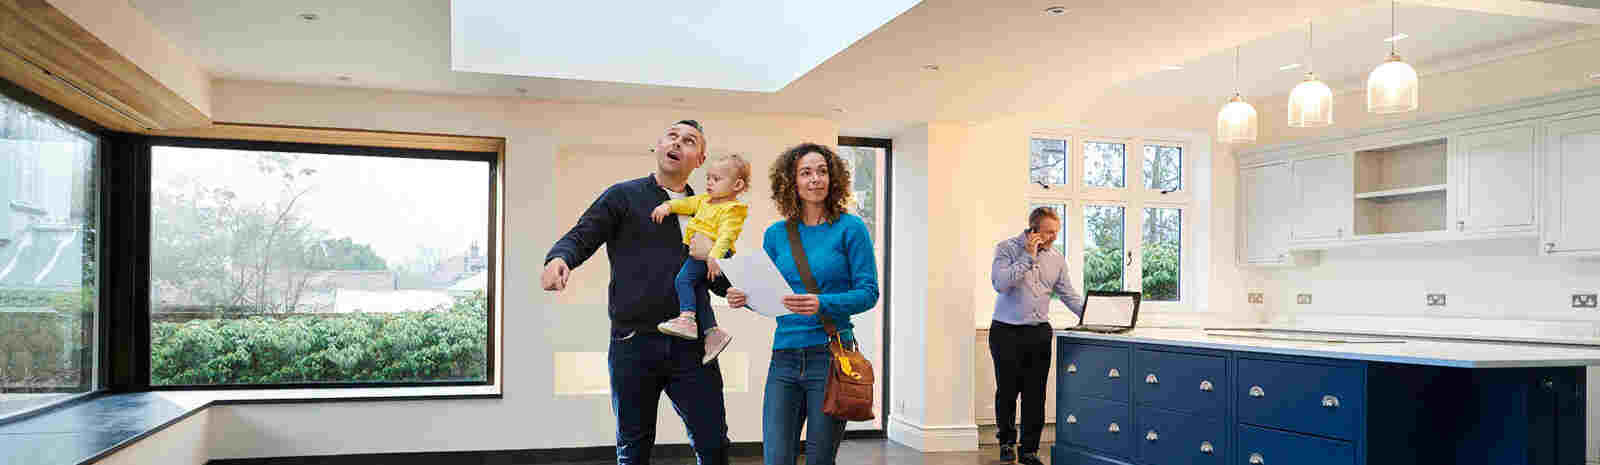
(1109, 312)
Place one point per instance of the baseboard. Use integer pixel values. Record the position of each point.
(951, 438)
(514, 457)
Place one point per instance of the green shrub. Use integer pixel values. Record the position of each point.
(446, 344)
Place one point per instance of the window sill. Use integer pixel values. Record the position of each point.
(62, 436)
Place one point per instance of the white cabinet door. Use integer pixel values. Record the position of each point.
(1267, 195)
(1495, 182)
(1572, 221)
(1324, 197)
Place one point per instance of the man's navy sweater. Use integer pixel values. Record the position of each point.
(645, 256)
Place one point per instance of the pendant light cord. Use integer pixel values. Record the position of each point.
(1392, 39)
(1236, 69)
(1310, 33)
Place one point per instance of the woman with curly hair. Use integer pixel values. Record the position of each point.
(811, 187)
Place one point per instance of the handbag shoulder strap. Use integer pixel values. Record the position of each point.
(801, 264)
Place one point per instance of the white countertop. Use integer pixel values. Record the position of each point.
(1463, 354)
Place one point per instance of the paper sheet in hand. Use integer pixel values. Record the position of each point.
(756, 275)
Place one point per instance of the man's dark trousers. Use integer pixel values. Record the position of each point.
(1021, 367)
(643, 365)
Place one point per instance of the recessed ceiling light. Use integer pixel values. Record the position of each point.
(522, 90)
(344, 78)
(308, 17)
(838, 110)
(1056, 11)
(930, 67)
(1171, 68)
(1397, 37)
(1288, 66)
(678, 99)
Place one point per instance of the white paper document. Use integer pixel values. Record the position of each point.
(756, 275)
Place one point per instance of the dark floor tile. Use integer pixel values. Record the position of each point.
(57, 448)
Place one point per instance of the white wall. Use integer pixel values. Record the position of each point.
(182, 443)
(559, 156)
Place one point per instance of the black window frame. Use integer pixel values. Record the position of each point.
(886, 221)
(100, 385)
(131, 202)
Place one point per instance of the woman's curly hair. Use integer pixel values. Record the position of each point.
(785, 174)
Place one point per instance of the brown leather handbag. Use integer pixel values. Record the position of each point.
(850, 377)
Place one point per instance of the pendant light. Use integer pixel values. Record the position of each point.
(1236, 123)
(1392, 86)
(1311, 102)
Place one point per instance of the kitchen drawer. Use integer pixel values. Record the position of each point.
(1101, 425)
(1174, 438)
(1263, 446)
(1310, 398)
(1096, 371)
(1196, 384)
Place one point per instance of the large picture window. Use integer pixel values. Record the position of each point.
(1127, 229)
(49, 259)
(274, 265)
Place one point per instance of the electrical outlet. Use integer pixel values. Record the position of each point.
(1257, 297)
(1303, 299)
(1435, 300)
(1585, 301)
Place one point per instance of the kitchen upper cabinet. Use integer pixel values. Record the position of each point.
(1266, 194)
(1495, 181)
(1323, 193)
(1572, 220)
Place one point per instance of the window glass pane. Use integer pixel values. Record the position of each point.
(298, 268)
(1061, 211)
(1103, 164)
(1163, 167)
(49, 217)
(1047, 161)
(1103, 257)
(1163, 254)
(863, 163)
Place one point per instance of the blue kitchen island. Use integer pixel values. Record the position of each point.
(1185, 396)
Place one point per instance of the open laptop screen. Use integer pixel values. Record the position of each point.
(1109, 310)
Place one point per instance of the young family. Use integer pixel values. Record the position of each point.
(664, 241)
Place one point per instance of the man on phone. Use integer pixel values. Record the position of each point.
(1026, 272)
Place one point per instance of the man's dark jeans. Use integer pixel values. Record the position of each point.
(644, 364)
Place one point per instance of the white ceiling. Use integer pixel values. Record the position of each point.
(996, 57)
(1347, 47)
(758, 46)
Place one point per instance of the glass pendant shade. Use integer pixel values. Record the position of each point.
(1236, 123)
(1392, 87)
(1310, 104)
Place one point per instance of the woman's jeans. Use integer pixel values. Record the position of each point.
(796, 382)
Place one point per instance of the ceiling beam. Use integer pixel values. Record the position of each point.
(1570, 11)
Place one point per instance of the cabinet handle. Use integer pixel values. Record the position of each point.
(1114, 429)
(1114, 374)
(1151, 436)
(1549, 247)
(1461, 225)
(1257, 459)
(1151, 379)
(1205, 385)
(1340, 233)
(1205, 447)
(1330, 401)
(1256, 391)
(1072, 419)
(1072, 368)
